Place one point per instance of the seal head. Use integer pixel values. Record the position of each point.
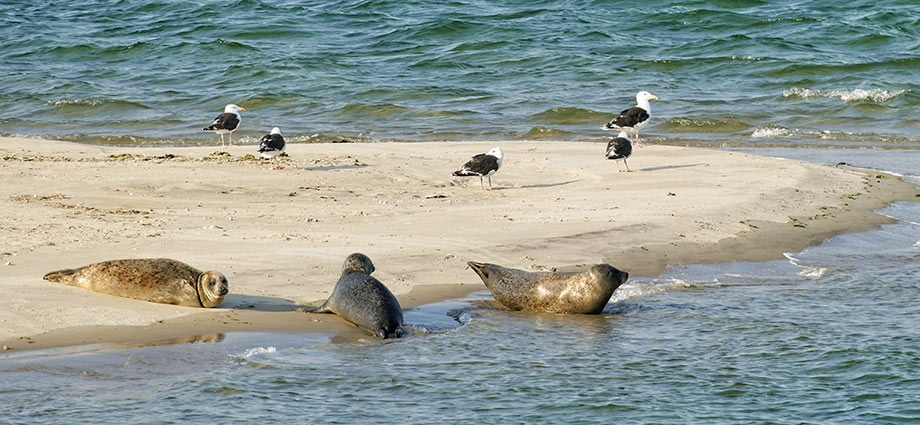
(554, 292)
(212, 288)
(357, 263)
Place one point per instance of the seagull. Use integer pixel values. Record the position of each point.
(226, 122)
(619, 148)
(484, 164)
(272, 145)
(633, 119)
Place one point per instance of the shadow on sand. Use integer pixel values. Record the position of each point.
(668, 167)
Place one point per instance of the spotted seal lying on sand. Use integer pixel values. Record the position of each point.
(362, 300)
(159, 280)
(554, 292)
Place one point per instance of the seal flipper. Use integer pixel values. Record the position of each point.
(59, 275)
(324, 308)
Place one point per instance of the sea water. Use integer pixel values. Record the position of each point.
(732, 72)
(826, 335)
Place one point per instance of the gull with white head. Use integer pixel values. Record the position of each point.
(633, 119)
(483, 165)
(226, 122)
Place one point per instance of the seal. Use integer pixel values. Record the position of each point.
(553, 292)
(362, 300)
(159, 280)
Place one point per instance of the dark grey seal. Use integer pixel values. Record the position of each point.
(553, 292)
(362, 300)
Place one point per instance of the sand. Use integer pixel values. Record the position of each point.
(280, 235)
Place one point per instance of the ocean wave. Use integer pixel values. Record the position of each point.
(637, 289)
(373, 110)
(792, 19)
(771, 131)
(695, 125)
(853, 95)
(812, 272)
(570, 115)
(255, 351)
(540, 132)
(775, 131)
(65, 102)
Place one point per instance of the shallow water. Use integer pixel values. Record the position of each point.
(828, 335)
(149, 72)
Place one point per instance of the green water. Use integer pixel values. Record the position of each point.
(786, 73)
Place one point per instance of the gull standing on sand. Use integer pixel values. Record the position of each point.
(226, 122)
(484, 164)
(272, 145)
(633, 119)
(619, 148)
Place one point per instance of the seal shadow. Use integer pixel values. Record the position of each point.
(669, 167)
(258, 303)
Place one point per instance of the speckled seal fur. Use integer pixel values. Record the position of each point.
(554, 292)
(362, 300)
(159, 280)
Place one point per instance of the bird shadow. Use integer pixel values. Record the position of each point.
(259, 303)
(336, 167)
(668, 167)
(538, 186)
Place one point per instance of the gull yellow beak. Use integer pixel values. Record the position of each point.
(654, 97)
(243, 109)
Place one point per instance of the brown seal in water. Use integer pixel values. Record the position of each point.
(362, 300)
(554, 292)
(159, 280)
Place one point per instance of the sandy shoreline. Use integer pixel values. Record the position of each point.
(280, 235)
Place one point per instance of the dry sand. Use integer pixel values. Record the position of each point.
(280, 235)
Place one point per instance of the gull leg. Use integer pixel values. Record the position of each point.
(490, 182)
(627, 165)
(231, 139)
(480, 183)
(221, 138)
(638, 143)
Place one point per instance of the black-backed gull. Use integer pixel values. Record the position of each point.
(483, 165)
(633, 119)
(226, 122)
(272, 145)
(619, 148)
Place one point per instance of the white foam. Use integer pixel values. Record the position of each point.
(258, 350)
(813, 272)
(642, 289)
(852, 95)
(771, 132)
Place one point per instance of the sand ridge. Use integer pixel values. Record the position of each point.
(280, 235)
